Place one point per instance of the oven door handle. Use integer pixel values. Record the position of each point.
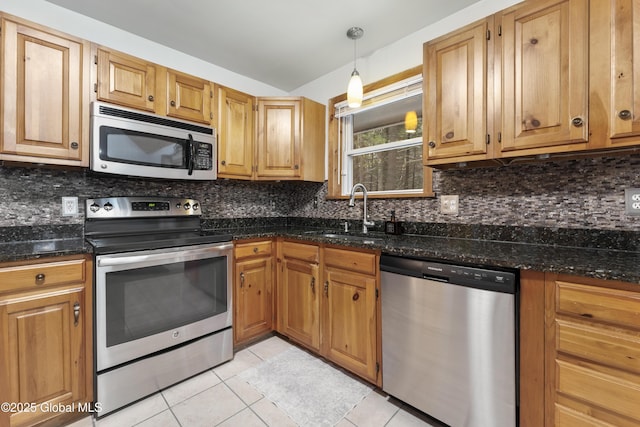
(169, 256)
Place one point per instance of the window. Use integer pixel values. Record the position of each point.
(378, 145)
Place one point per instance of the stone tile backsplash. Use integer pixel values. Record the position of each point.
(582, 194)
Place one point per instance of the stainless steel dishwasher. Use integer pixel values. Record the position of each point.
(449, 340)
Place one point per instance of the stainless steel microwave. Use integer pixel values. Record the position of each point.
(128, 142)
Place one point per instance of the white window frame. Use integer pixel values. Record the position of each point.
(403, 89)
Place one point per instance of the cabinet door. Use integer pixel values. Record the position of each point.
(235, 134)
(455, 88)
(126, 80)
(300, 302)
(44, 94)
(625, 66)
(349, 336)
(43, 352)
(253, 300)
(278, 139)
(188, 97)
(544, 69)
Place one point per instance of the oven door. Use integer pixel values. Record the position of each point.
(148, 301)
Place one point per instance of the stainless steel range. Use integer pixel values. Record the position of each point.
(162, 295)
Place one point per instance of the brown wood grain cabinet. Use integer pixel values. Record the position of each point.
(328, 302)
(135, 83)
(44, 95)
(253, 289)
(236, 133)
(46, 356)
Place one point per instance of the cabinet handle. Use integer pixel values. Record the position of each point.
(76, 313)
(40, 278)
(355, 296)
(624, 114)
(242, 279)
(577, 121)
(151, 98)
(223, 162)
(313, 285)
(75, 145)
(326, 289)
(173, 103)
(432, 144)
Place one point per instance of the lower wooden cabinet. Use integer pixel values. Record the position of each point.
(336, 316)
(253, 284)
(46, 358)
(592, 352)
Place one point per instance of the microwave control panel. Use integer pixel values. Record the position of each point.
(204, 156)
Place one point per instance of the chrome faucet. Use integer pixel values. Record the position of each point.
(365, 222)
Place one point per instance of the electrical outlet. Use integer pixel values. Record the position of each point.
(449, 204)
(632, 201)
(69, 206)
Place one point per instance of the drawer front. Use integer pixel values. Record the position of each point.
(301, 251)
(246, 250)
(616, 307)
(38, 275)
(351, 260)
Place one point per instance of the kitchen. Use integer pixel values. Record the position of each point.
(564, 202)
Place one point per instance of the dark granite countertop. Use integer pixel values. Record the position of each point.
(464, 244)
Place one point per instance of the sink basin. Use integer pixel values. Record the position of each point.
(359, 238)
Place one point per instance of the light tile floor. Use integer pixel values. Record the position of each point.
(218, 397)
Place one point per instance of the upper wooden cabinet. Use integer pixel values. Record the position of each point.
(44, 95)
(455, 94)
(133, 82)
(278, 139)
(235, 133)
(543, 81)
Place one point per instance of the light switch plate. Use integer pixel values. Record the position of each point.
(632, 201)
(69, 206)
(449, 204)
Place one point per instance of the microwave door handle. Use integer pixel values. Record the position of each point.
(190, 154)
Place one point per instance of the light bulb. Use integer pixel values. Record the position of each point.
(354, 90)
(411, 122)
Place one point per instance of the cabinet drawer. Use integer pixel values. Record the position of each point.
(37, 275)
(246, 250)
(351, 260)
(301, 251)
(616, 307)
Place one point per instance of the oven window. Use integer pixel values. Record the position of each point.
(149, 300)
(140, 148)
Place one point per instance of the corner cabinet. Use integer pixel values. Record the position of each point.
(44, 95)
(135, 83)
(328, 301)
(253, 284)
(46, 329)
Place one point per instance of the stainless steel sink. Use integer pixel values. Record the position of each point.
(359, 238)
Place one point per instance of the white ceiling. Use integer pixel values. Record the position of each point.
(283, 43)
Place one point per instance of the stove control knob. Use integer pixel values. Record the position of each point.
(108, 206)
(196, 206)
(94, 207)
(187, 206)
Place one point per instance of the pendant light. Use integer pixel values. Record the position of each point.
(354, 89)
(411, 122)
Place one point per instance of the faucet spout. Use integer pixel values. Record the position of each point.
(365, 221)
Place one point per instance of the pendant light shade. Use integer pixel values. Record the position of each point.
(354, 89)
(411, 122)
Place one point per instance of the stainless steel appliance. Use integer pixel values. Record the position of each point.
(163, 306)
(129, 142)
(449, 340)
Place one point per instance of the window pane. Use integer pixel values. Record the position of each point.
(390, 170)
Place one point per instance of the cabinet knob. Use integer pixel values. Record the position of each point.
(313, 285)
(40, 278)
(223, 162)
(296, 167)
(432, 144)
(75, 145)
(577, 121)
(151, 98)
(326, 288)
(173, 103)
(624, 114)
(255, 250)
(76, 313)
(242, 279)
(355, 296)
